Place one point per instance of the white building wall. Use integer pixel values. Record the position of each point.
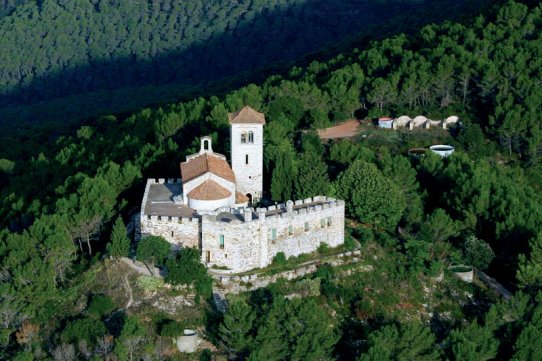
(241, 244)
(249, 245)
(180, 232)
(249, 177)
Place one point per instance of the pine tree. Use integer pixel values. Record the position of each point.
(236, 328)
(312, 178)
(120, 243)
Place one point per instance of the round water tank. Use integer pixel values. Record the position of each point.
(188, 342)
(442, 150)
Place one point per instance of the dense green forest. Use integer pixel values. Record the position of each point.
(482, 206)
(72, 60)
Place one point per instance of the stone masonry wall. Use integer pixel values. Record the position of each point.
(254, 242)
(325, 225)
(180, 232)
(242, 241)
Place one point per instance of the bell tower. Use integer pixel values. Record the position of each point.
(247, 151)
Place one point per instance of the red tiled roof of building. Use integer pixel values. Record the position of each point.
(240, 198)
(246, 115)
(204, 163)
(208, 191)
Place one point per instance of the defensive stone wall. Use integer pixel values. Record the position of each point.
(180, 232)
(243, 239)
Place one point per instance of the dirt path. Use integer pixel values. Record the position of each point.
(130, 294)
(346, 129)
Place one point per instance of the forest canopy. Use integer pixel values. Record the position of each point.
(65, 201)
(72, 60)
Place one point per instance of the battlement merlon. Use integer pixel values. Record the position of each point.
(289, 209)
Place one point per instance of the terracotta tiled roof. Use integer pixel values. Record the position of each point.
(240, 198)
(206, 163)
(209, 190)
(246, 115)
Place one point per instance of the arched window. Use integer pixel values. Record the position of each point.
(243, 137)
(206, 144)
(251, 137)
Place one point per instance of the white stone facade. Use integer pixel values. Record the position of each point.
(241, 239)
(242, 244)
(247, 158)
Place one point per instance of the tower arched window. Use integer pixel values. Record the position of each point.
(251, 137)
(243, 137)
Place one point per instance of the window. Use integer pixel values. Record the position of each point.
(251, 137)
(306, 226)
(243, 137)
(246, 159)
(329, 221)
(273, 234)
(290, 230)
(322, 222)
(171, 233)
(221, 241)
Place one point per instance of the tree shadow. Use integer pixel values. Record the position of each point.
(268, 43)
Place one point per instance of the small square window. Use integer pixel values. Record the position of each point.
(243, 137)
(322, 223)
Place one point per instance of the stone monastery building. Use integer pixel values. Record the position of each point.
(210, 206)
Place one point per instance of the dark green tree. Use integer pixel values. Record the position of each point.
(236, 330)
(120, 243)
(473, 343)
(312, 178)
(370, 196)
(408, 341)
(153, 250)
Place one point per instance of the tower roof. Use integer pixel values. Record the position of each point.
(203, 163)
(246, 115)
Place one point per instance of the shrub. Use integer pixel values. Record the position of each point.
(323, 248)
(171, 329)
(150, 283)
(85, 329)
(478, 253)
(350, 243)
(279, 259)
(186, 268)
(153, 249)
(100, 306)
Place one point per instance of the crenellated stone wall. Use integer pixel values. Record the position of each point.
(241, 239)
(180, 232)
(251, 238)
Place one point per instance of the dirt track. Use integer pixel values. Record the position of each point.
(346, 129)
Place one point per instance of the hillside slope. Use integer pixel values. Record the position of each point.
(79, 59)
